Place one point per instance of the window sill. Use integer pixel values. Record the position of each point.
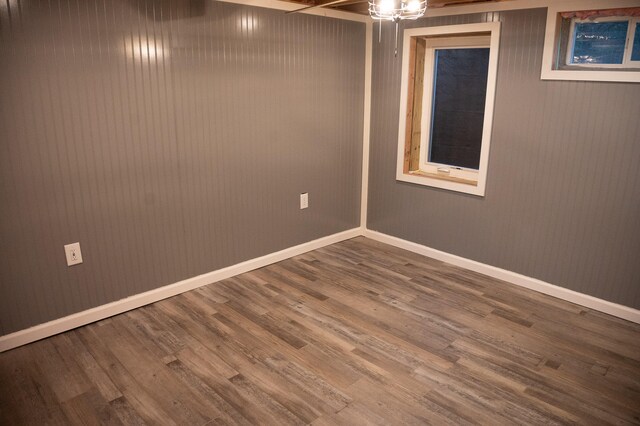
(444, 177)
(443, 182)
(589, 75)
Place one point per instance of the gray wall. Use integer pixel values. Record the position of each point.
(563, 190)
(167, 168)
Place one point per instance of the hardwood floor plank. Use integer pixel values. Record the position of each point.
(90, 408)
(272, 412)
(124, 411)
(389, 407)
(354, 414)
(89, 365)
(146, 407)
(192, 370)
(25, 396)
(64, 377)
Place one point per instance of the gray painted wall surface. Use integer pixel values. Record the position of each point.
(169, 167)
(563, 199)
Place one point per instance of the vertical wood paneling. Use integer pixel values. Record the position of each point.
(170, 140)
(562, 201)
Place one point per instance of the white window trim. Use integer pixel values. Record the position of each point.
(493, 28)
(584, 74)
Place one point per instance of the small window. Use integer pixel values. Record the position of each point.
(598, 43)
(595, 44)
(456, 110)
(447, 106)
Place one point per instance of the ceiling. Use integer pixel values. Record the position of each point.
(361, 6)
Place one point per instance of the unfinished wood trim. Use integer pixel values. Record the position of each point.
(418, 95)
(443, 3)
(410, 104)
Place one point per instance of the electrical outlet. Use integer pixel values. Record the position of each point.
(304, 200)
(73, 253)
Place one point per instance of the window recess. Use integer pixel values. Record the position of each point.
(598, 44)
(446, 106)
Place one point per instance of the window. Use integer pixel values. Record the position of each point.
(446, 109)
(601, 43)
(595, 44)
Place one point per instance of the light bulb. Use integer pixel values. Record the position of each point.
(413, 6)
(386, 6)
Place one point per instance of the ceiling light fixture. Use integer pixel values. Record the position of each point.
(396, 11)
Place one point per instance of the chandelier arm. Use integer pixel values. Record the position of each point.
(395, 52)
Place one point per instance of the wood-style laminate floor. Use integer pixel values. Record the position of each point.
(354, 333)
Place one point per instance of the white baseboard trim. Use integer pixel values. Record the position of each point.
(540, 286)
(60, 325)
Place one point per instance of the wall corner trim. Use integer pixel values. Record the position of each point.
(366, 130)
(530, 283)
(79, 319)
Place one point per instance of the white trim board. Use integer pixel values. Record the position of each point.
(60, 325)
(366, 130)
(540, 286)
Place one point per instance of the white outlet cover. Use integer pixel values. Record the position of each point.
(73, 254)
(304, 200)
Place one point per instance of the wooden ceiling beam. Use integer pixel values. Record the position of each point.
(445, 3)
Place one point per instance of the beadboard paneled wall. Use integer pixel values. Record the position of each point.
(170, 138)
(563, 199)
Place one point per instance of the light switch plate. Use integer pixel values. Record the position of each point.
(304, 200)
